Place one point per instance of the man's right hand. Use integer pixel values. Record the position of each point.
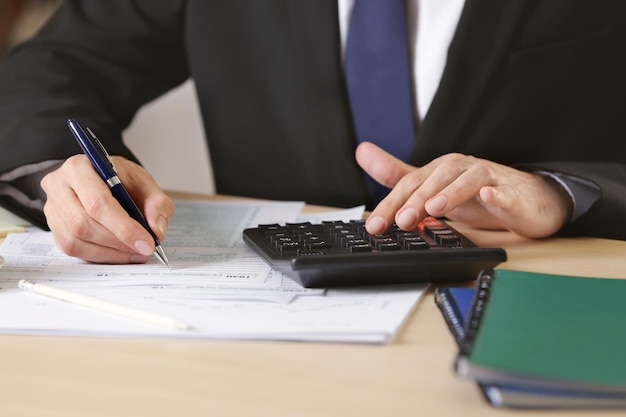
(87, 222)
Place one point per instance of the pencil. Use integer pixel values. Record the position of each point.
(101, 305)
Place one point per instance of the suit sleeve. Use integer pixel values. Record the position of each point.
(97, 61)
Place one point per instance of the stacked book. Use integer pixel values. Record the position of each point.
(541, 340)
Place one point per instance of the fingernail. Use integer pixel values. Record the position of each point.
(144, 247)
(162, 225)
(436, 204)
(376, 225)
(407, 218)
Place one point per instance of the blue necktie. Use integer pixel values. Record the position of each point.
(379, 79)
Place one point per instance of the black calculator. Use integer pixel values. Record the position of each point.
(339, 253)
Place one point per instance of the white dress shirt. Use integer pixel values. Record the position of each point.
(431, 25)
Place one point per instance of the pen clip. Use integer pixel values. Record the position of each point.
(102, 149)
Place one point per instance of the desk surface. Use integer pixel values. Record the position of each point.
(66, 376)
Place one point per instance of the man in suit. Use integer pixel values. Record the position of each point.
(524, 129)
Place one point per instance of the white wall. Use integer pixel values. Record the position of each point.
(168, 139)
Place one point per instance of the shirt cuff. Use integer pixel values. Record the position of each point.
(21, 193)
(584, 193)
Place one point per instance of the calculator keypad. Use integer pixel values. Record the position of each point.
(351, 237)
(338, 253)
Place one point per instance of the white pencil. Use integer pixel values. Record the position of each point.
(101, 305)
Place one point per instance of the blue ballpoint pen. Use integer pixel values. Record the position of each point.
(103, 164)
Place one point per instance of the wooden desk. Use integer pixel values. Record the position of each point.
(82, 377)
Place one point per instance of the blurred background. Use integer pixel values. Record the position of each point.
(167, 135)
(19, 19)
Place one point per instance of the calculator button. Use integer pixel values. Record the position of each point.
(288, 246)
(388, 246)
(447, 240)
(316, 244)
(414, 242)
(360, 248)
(416, 245)
(353, 242)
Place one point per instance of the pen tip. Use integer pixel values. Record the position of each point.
(161, 255)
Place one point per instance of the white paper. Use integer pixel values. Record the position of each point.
(10, 223)
(216, 284)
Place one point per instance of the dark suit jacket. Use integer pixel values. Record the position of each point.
(533, 82)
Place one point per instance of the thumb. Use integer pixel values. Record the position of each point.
(383, 167)
(525, 215)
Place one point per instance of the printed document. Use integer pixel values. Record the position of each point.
(215, 283)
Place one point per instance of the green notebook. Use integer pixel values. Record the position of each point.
(544, 330)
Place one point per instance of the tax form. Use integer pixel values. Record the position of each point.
(215, 283)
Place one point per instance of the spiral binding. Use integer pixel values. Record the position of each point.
(442, 298)
(483, 293)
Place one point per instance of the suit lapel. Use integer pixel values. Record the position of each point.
(477, 49)
(315, 31)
